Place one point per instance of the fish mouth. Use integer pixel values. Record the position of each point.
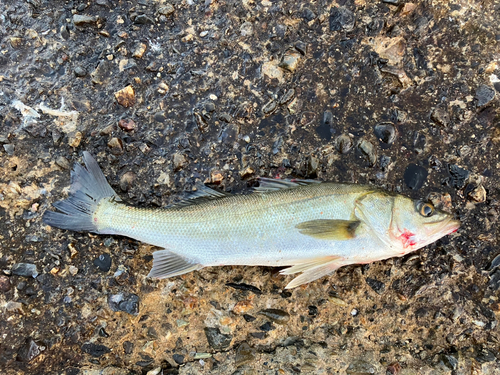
(446, 226)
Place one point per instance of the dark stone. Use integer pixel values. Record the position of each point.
(143, 19)
(244, 355)
(216, 339)
(128, 303)
(450, 361)
(377, 286)
(440, 115)
(95, 350)
(421, 312)
(4, 284)
(178, 358)
(102, 332)
(28, 351)
(266, 327)
(415, 176)
(80, 71)
(249, 318)
(243, 286)
(308, 14)
(458, 176)
(258, 335)
(360, 367)
(276, 315)
(494, 282)
(386, 134)
(484, 95)
(24, 269)
(152, 333)
(103, 262)
(313, 310)
(324, 130)
(375, 27)
(344, 144)
(128, 347)
(147, 361)
(341, 19)
(484, 355)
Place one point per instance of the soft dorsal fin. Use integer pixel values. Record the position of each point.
(201, 195)
(326, 229)
(267, 185)
(312, 269)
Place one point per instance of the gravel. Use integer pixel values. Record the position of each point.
(167, 96)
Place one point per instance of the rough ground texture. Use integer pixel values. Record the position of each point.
(391, 93)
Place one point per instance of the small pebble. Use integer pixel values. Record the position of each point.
(440, 115)
(95, 350)
(180, 161)
(276, 315)
(4, 284)
(83, 20)
(458, 176)
(126, 96)
(63, 162)
(244, 355)
(128, 303)
(25, 269)
(415, 176)
(103, 262)
(166, 10)
(9, 149)
(341, 18)
(116, 146)
(126, 180)
(344, 144)
(377, 286)
(216, 339)
(269, 107)
(484, 95)
(140, 50)
(290, 60)
(368, 151)
(386, 134)
(29, 351)
(80, 71)
(127, 124)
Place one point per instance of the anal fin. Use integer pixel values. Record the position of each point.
(168, 264)
(312, 269)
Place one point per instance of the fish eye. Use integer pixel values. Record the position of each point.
(426, 209)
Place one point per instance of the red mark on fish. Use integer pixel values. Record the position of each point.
(407, 239)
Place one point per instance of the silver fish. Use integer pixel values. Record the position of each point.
(313, 227)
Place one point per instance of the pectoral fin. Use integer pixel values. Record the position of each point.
(168, 264)
(312, 269)
(325, 229)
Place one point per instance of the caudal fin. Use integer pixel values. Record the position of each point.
(88, 187)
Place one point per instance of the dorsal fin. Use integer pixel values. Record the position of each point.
(267, 185)
(201, 195)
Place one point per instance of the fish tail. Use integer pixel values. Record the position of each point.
(88, 188)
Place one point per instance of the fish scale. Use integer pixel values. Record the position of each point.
(313, 227)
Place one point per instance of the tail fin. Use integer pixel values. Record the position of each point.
(88, 187)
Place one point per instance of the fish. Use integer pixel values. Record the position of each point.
(311, 227)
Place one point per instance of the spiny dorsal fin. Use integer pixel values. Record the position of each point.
(325, 229)
(267, 185)
(312, 270)
(202, 195)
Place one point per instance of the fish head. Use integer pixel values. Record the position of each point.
(416, 223)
